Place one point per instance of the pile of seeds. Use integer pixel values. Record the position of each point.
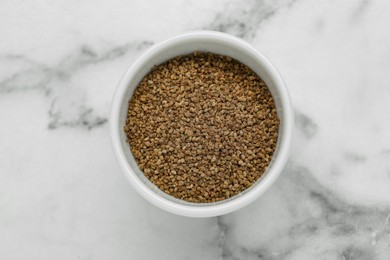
(202, 127)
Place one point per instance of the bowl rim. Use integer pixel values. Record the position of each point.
(230, 205)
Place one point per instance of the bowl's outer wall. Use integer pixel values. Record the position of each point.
(205, 41)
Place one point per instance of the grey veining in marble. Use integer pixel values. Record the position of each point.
(62, 195)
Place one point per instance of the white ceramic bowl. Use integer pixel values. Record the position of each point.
(214, 42)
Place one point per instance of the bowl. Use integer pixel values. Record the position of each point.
(205, 41)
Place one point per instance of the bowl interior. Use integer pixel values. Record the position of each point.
(169, 49)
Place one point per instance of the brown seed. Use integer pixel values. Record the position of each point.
(202, 127)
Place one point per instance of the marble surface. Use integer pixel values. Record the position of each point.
(63, 196)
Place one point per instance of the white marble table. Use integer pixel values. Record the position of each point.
(63, 196)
